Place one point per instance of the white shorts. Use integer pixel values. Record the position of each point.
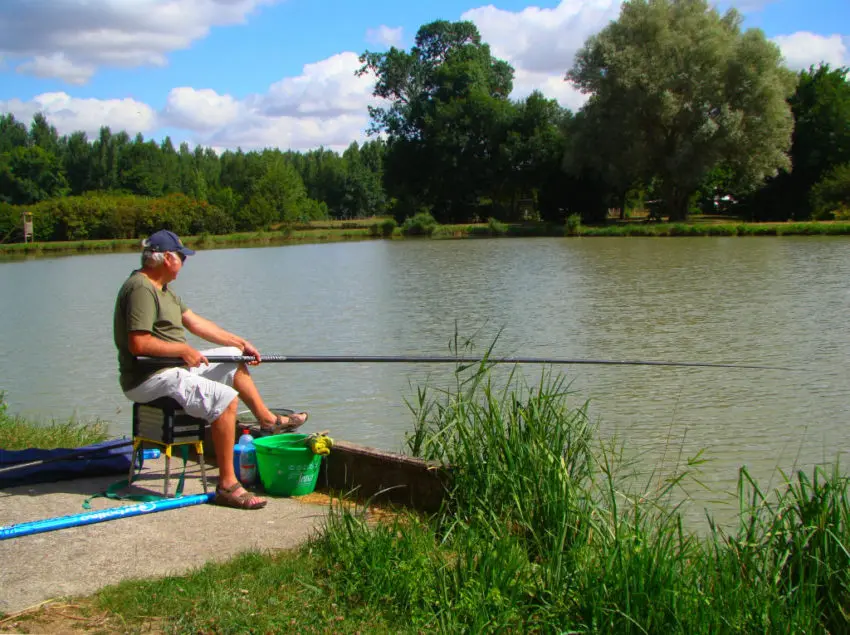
(204, 392)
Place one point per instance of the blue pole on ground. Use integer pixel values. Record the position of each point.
(90, 518)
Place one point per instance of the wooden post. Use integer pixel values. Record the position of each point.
(26, 217)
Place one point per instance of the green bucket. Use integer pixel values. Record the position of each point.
(287, 466)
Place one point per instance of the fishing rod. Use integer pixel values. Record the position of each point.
(425, 359)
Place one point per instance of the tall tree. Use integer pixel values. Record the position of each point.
(29, 175)
(43, 135)
(13, 133)
(78, 163)
(682, 89)
(278, 196)
(448, 102)
(821, 142)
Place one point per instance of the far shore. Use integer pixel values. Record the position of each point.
(367, 229)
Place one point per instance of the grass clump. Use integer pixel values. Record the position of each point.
(252, 593)
(544, 530)
(17, 433)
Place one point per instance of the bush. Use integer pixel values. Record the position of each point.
(422, 224)
(573, 225)
(496, 227)
(388, 226)
(103, 216)
(831, 195)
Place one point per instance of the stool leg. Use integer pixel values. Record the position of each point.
(133, 455)
(199, 448)
(167, 470)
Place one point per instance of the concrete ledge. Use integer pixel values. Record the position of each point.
(367, 472)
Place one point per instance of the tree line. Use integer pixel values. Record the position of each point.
(685, 112)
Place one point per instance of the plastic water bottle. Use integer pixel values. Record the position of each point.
(146, 453)
(247, 459)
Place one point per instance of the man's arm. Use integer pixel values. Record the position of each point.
(212, 332)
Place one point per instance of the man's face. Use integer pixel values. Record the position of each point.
(174, 263)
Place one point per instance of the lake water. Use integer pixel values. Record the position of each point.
(780, 301)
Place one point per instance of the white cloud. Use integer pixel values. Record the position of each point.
(200, 110)
(326, 105)
(541, 43)
(70, 114)
(804, 49)
(385, 36)
(552, 86)
(68, 39)
(256, 132)
(324, 89)
(58, 66)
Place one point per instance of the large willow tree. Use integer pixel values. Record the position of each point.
(675, 90)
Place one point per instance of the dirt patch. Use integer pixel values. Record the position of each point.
(62, 618)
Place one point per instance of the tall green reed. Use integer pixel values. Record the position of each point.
(544, 528)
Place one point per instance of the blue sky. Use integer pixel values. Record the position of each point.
(279, 73)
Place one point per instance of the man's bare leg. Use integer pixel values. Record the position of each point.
(244, 385)
(223, 433)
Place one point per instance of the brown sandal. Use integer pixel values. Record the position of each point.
(285, 423)
(225, 497)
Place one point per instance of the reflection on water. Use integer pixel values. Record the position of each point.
(773, 301)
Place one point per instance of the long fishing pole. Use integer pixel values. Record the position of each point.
(420, 359)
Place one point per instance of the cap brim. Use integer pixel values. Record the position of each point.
(186, 251)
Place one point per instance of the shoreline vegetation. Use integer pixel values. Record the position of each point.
(545, 529)
(386, 228)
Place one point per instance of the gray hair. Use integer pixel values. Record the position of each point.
(151, 258)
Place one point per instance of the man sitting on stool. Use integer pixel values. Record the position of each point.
(151, 321)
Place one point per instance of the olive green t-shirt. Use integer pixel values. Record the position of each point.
(141, 306)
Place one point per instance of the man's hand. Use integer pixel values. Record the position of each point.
(193, 357)
(249, 350)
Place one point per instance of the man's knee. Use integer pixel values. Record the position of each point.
(228, 415)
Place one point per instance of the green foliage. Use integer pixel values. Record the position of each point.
(29, 175)
(496, 227)
(101, 216)
(821, 107)
(454, 138)
(384, 228)
(676, 90)
(422, 224)
(251, 191)
(831, 195)
(573, 225)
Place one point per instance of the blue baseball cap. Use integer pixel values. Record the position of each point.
(164, 240)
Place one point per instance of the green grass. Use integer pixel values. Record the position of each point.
(252, 593)
(17, 433)
(544, 529)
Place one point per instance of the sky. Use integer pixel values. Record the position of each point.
(281, 73)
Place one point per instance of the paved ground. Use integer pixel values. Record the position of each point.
(80, 560)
